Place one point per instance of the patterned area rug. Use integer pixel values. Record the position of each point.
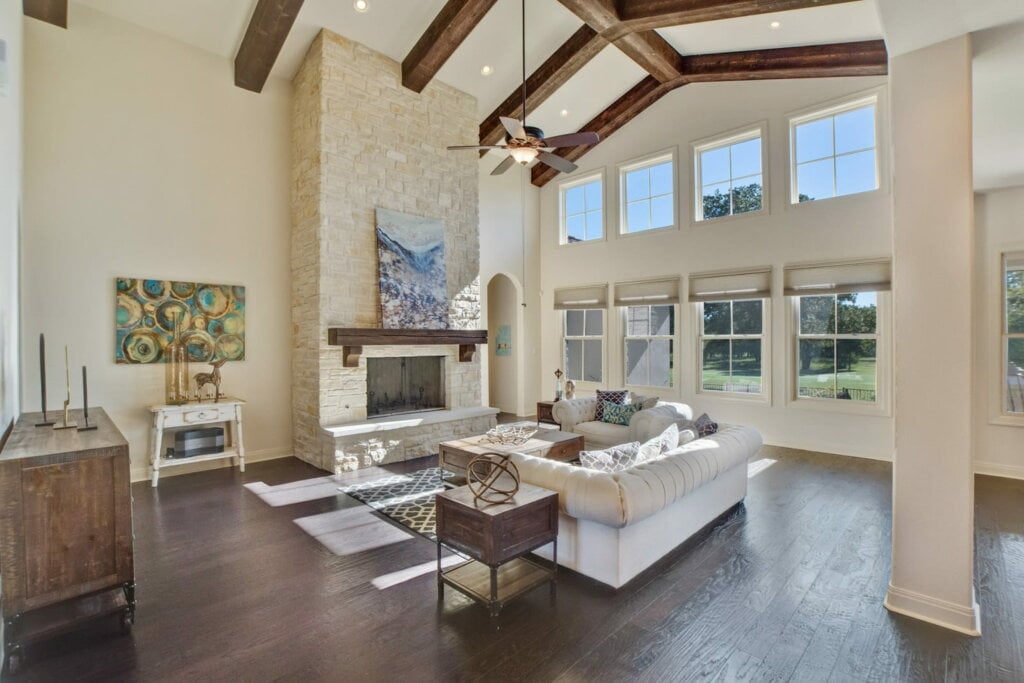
(406, 498)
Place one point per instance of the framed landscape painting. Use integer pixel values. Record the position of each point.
(413, 282)
(212, 320)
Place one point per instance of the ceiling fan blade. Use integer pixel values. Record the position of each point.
(514, 127)
(505, 164)
(556, 162)
(457, 147)
(573, 140)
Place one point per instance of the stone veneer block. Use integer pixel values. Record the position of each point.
(360, 141)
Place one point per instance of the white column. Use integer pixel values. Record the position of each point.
(933, 480)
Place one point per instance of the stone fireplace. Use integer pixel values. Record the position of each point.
(406, 384)
(360, 141)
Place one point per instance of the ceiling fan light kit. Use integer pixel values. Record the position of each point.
(526, 143)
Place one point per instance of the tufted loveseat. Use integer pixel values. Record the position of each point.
(578, 415)
(613, 526)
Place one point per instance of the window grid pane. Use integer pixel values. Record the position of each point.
(837, 347)
(732, 344)
(583, 344)
(649, 197)
(836, 155)
(583, 212)
(649, 352)
(1013, 338)
(732, 184)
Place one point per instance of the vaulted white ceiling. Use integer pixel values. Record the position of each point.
(392, 27)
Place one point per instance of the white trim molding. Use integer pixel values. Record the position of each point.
(949, 615)
(994, 469)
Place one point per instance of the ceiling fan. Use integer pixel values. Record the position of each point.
(526, 143)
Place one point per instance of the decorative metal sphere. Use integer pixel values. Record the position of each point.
(492, 478)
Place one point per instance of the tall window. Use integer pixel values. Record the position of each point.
(584, 345)
(834, 152)
(582, 211)
(837, 346)
(648, 197)
(732, 346)
(1013, 332)
(729, 176)
(650, 340)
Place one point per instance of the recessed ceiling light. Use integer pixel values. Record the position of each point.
(361, 5)
(775, 25)
(486, 70)
(564, 113)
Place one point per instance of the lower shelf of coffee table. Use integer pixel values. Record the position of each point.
(515, 577)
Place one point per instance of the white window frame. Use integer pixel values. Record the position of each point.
(563, 232)
(764, 396)
(829, 110)
(673, 338)
(883, 362)
(1005, 416)
(744, 134)
(669, 155)
(584, 384)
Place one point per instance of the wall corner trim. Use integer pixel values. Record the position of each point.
(994, 469)
(960, 618)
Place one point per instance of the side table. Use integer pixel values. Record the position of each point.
(544, 412)
(497, 537)
(227, 410)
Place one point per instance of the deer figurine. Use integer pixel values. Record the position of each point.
(204, 378)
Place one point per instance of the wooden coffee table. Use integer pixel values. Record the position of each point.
(454, 456)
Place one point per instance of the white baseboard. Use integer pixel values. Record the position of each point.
(143, 472)
(934, 610)
(996, 470)
(831, 450)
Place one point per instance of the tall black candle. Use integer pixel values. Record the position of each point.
(42, 381)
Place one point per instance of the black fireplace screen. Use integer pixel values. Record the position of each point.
(404, 385)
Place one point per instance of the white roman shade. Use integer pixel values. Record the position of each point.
(647, 292)
(840, 277)
(1014, 260)
(749, 283)
(572, 298)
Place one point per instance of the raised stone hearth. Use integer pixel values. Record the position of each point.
(362, 141)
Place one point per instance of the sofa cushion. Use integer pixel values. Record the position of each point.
(614, 459)
(645, 402)
(617, 396)
(602, 434)
(616, 414)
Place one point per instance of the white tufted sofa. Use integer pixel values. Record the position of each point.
(578, 416)
(613, 526)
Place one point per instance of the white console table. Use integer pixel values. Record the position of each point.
(227, 410)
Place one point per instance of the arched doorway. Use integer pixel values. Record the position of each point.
(505, 347)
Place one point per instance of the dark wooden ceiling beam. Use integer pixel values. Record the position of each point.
(450, 27)
(866, 58)
(268, 28)
(653, 53)
(618, 114)
(644, 15)
(573, 54)
(51, 11)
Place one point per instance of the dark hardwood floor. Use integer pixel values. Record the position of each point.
(788, 586)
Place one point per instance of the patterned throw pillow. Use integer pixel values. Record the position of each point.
(614, 459)
(704, 426)
(661, 444)
(616, 414)
(617, 397)
(645, 402)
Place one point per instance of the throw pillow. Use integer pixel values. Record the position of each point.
(661, 444)
(614, 459)
(645, 402)
(616, 414)
(704, 426)
(617, 397)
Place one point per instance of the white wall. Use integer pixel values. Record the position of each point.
(143, 159)
(998, 442)
(845, 227)
(509, 232)
(10, 209)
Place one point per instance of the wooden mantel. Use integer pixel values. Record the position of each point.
(353, 339)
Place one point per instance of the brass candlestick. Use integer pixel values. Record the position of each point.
(66, 423)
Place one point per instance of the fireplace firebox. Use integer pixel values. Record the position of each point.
(406, 384)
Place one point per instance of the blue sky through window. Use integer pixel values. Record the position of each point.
(835, 155)
(583, 211)
(649, 197)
